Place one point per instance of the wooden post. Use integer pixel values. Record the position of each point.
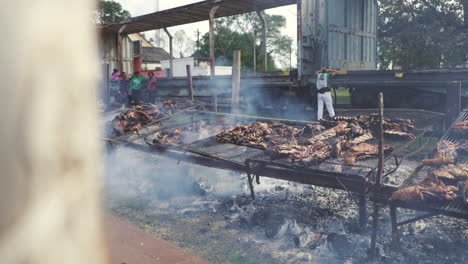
(190, 82)
(454, 95)
(120, 48)
(255, 51)
(261, 15)
(362, 211)
(236, 78)
(212, 40)
(171, 52)
(378, 179)
(394, 221)
(51, 157)
(212, 55)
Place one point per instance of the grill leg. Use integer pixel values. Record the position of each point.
(362, 211)
(375, 223)
(395, 233)
(250, 180)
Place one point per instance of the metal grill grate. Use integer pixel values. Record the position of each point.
(452, 208)
(239, 154)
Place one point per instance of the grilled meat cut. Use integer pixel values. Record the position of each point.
(316, 143)
(363, 151)
(250, 135)
(431, 189)
(460, 128)
(421, 193)
(453, 172)
(136, 118)
(446, 154)
(399, 134)
(464, 187)
(189, 134)
(463, 148)
(361, 139)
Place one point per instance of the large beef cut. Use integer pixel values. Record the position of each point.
(136, 118)
(363, 151)
(465, 192)
(446, 154)
(191, 133)
(431, 189)
(453, 172)
(460, 128)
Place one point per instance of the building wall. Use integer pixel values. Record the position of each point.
(108, 53)
(181, 71)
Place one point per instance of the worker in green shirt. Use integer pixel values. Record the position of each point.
(137, 83)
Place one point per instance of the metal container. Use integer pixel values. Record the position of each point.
(340, 34)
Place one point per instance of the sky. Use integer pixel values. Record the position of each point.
(142, 7)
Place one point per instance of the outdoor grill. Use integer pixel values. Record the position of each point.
(333, 173)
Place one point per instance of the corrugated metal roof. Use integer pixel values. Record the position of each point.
(155, 54)
(193, 13)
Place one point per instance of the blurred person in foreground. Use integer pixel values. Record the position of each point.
(137, 82)
(152, 87)
(324, 96)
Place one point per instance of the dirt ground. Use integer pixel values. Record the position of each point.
(130, 245)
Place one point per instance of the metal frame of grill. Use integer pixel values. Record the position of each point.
(455, 208)
(208, 152)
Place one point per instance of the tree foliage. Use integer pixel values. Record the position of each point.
(423, 33)
(183, 44)
(111, 12)
(237, 33)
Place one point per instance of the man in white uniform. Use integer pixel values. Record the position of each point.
(324, 92)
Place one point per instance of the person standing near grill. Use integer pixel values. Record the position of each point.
(137, 83)
(152, 87)
(324, 92)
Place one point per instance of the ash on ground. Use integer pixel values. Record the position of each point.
(210, 213)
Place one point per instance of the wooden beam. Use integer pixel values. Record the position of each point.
(261, 15)
(212, 40)
(171, 52)
(190, 82)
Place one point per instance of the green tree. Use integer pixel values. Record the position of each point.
(423, 33)
(111, 12)
(237, 32)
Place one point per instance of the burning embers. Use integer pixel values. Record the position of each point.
(339, 137)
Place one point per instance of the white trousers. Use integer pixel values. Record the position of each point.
(327, 99)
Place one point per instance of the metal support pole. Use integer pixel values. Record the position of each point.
(190, 82)
(236, 78)
(378, 178)
(212, 40)
(395, 234)
(171, 51)
(120, 48)
(261, 15)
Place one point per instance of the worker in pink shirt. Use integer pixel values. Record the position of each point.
(152, 87)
